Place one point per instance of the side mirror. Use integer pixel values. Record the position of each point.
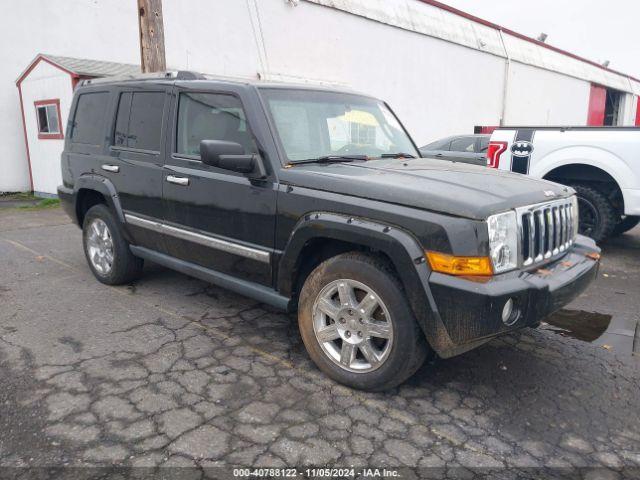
(231, 156)
(212, 150)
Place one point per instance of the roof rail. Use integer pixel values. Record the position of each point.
(166, 75)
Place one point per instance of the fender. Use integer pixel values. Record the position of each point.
(400, 246)
(601, 158)
(103, 185)
(626, 178)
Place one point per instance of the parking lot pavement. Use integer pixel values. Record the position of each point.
(172, 371)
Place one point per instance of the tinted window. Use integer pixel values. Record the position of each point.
(88, 122)
(484, 144)
(463, 144)
(145, 120)
(209, 116)
(139, 120)
(438, 145)
(120, 136)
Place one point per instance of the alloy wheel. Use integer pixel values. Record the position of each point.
(100, 246)
(352, 325)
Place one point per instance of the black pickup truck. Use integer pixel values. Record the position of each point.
(316, 200)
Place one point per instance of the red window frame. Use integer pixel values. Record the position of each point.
(597, 106)
(43, 103)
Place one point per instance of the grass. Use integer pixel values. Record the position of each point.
(32, 202)
(18, 196)
(43, 203)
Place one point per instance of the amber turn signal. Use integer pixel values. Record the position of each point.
(452, 265)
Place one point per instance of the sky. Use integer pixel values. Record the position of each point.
(595, 29)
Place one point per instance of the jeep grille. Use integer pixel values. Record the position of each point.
(546, 230)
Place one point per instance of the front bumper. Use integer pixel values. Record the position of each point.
(631, 201)
(471, 308)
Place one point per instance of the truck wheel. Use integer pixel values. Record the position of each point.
(598, 218)
(107, 251)
(625, 224)
(357, 325)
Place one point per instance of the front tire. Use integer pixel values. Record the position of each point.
(357, 325)
(598, 217)
(106, 249)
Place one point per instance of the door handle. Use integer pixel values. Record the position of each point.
(178, 180)
(110, 168)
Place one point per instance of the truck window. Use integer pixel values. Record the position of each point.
(88, 121)
(139, 120)
(463, 144)
(211, 116)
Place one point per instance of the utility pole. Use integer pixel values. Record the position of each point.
(151, 36)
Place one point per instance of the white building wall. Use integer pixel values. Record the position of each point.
(426, 19)
(99, 29)
(436, 88)
(219, 39)
(541, 97)
(442, 73)
(45, 82)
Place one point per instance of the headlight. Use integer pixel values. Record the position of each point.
(503, 241)
(574, 215)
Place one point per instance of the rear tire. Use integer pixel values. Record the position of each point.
(598, 217)
(106, 249)
(371, 341)
(625, 224)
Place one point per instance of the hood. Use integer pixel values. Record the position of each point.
(462, 190)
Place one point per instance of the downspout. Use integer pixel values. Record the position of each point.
(258, 35)
(507, 75)
(26, 137)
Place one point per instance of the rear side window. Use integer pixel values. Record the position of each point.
(139, 120)
(211, 116)
(438, 145)
(88, 122)
(463, 144)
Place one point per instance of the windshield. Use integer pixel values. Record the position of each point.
(313, 124)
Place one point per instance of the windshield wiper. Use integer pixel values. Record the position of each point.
(331, 159)
(397, 155)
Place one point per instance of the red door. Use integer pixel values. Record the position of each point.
(638, 113)
(597, 103)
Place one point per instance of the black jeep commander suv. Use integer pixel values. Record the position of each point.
(316, 200)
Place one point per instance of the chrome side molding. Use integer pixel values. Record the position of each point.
(199, 238)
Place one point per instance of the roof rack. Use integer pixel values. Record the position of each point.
(166, 75)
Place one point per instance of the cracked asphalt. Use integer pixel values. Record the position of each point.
(172, 372)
